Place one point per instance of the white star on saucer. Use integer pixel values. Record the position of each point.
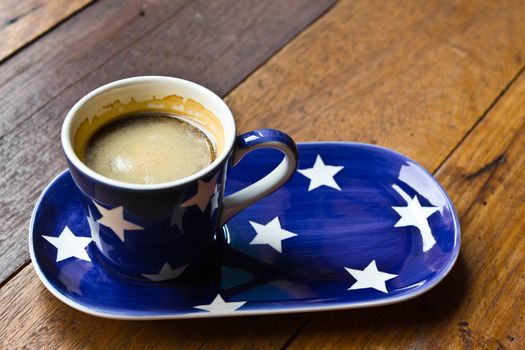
(166, 273)
(204, 192)
(219, 306)
(370, 277)
(68, 245)
(114, 219)
(272, 234)
(416, 215)
(321, 174)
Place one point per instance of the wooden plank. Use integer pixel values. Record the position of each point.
(58, 60)
(480, 304)
(214, 43)
(23, 21)
(203, 41)
(413, 76)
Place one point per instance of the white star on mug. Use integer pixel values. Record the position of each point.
(94, 228)
(114, 219)
(205, 191)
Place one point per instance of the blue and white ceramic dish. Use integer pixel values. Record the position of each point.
(356, 226)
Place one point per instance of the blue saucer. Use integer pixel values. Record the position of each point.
(357, 226)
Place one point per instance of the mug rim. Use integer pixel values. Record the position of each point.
(66, 140)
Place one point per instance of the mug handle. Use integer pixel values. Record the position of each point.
(245, 143)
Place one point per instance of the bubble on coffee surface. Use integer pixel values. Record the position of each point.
(148, 148)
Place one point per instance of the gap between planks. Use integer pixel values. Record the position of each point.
(480, 119)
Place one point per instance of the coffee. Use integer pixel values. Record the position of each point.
(148, 148)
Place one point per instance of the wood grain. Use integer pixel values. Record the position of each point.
(413, 76)
(410, 75)
(480, 304)
(477, 306)
(214, 43)
(23, 21)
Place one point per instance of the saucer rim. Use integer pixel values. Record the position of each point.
(277, 311)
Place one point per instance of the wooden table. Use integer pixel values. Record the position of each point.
(441, 81)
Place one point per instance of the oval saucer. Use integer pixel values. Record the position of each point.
(357, 226)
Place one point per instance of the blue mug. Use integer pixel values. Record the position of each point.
(154, 232)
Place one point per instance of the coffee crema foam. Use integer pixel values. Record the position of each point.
(148, 148)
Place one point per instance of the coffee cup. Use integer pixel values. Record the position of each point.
(156, 231)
